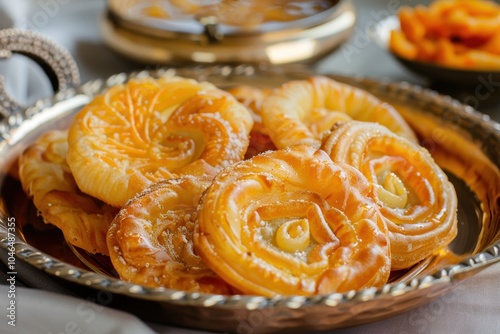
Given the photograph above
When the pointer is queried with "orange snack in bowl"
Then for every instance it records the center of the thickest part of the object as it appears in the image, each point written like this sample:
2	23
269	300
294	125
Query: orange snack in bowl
452	33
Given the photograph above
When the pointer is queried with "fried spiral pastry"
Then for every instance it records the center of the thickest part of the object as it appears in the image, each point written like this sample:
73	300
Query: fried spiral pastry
300	111
293	222
253	98
414	194
150	241
46	177
148	130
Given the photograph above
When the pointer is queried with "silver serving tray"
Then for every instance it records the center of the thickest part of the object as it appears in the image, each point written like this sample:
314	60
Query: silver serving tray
476	247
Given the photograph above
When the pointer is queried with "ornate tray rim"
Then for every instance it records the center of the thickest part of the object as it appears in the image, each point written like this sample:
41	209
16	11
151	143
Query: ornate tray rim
58	268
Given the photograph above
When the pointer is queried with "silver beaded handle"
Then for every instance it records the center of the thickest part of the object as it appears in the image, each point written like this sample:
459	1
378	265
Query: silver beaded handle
56	62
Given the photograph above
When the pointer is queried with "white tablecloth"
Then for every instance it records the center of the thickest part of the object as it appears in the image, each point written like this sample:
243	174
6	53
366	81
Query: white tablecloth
472	307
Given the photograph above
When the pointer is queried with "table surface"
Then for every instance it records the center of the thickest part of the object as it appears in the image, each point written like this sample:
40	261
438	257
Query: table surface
473	307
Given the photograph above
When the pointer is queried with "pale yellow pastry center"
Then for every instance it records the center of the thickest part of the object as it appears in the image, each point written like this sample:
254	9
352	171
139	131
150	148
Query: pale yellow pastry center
294	235
392	191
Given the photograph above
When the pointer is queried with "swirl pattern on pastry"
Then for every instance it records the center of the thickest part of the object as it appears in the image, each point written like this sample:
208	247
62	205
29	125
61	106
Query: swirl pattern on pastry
46	177
150	241
293	222
414	194
148	130
301	111
253	98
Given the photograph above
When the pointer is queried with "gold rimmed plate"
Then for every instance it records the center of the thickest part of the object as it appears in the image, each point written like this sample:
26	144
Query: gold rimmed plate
464	142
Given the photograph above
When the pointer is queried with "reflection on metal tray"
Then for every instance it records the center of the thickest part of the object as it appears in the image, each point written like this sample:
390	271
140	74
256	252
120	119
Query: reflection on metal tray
468	148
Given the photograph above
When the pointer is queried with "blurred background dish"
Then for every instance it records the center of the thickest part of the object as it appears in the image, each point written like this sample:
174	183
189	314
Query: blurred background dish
450	76
171	31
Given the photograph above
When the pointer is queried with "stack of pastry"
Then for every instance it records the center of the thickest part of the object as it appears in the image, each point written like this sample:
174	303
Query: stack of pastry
313	187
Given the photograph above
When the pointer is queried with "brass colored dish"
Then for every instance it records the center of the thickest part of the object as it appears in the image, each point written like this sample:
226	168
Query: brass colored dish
207	38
